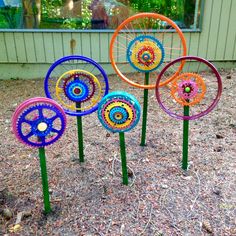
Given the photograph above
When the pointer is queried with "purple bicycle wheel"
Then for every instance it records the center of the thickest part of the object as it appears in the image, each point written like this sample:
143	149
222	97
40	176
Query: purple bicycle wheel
198	85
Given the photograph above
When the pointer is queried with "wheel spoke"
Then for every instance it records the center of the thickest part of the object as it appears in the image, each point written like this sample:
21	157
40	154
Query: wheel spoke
42	139
51	120
29	122
40	111
29	135
55	130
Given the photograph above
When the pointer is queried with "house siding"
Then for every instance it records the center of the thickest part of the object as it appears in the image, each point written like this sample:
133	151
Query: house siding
216	41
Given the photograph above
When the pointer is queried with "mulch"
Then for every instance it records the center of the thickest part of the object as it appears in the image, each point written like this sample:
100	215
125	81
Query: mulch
89	198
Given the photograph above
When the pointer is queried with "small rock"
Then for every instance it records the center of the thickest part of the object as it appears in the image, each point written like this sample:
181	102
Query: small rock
3	195
207	226
104	197
7	214
122	229
7	121
188	177
50	191
216	191
218	136
19	217
218	149
57	155
130	173
164	186
27	214
232	231
15	228
108	135
105	189
232	125
229	76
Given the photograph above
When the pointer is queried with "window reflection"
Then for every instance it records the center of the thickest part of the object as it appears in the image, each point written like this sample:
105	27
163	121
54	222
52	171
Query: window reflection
92	14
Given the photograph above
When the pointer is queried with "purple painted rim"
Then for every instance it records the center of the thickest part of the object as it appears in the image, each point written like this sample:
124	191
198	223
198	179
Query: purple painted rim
213	104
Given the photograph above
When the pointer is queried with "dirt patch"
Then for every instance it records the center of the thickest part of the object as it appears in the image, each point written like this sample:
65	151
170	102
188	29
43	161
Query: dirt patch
89	199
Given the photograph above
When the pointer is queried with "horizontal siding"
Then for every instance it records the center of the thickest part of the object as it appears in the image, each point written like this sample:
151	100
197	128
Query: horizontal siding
216	41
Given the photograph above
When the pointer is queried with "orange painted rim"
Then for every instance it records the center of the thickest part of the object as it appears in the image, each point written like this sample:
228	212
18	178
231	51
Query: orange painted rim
121	26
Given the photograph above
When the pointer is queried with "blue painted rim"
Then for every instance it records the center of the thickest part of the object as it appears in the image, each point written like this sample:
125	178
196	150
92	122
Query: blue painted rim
82	58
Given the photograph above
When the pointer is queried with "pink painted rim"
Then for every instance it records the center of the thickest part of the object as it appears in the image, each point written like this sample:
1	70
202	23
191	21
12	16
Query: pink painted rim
27	103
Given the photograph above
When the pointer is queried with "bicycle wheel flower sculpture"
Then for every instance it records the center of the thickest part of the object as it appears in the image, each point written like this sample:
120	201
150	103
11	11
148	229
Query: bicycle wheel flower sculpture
142	42
78	83
190	95
120	112
39	122
200	90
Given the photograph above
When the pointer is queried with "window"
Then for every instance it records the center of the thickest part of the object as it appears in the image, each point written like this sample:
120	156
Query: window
93	14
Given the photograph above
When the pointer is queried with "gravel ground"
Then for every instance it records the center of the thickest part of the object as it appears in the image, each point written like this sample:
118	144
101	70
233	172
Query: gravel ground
89	199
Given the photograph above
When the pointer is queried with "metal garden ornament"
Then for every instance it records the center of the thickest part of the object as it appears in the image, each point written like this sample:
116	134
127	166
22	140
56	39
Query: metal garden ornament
119	112
189	95
138	44
39	122
77	83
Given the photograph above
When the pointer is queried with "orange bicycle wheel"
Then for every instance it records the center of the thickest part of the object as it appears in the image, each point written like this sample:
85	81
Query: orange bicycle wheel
142	44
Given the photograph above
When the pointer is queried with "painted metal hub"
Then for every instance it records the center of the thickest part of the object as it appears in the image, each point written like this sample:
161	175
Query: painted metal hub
76	91
145	53
119	112
188	89
78	86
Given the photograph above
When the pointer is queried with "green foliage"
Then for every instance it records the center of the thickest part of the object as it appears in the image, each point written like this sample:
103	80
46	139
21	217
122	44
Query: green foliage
9	17
50	8
51	14
180	10
86	14
71	23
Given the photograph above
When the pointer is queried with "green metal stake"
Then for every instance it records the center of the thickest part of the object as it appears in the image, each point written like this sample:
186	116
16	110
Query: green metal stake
185	139
80	135
123	158
44	175
145	107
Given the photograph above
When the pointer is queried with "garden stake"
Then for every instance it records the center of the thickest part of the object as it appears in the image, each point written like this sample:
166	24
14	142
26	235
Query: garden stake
80	139
80	135
145	107
47	207
123	158
185	139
